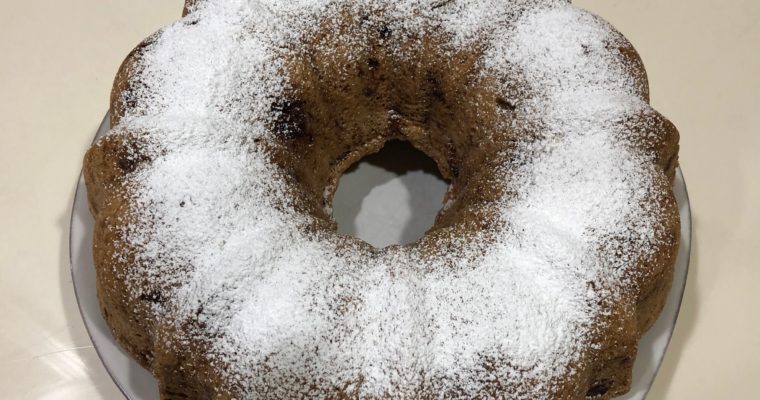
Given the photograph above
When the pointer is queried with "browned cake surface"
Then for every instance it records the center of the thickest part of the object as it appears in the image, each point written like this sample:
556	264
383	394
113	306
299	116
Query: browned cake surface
341	104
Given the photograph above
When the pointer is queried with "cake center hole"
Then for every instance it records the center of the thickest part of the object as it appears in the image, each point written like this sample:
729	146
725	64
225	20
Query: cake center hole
390	197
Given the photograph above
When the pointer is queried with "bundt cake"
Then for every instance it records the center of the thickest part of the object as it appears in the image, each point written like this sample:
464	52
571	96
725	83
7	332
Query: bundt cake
218	263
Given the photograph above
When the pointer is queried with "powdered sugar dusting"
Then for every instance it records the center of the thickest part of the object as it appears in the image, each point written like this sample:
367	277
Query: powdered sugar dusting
287	313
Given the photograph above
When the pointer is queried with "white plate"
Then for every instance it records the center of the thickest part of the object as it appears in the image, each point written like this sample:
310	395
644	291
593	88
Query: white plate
138	384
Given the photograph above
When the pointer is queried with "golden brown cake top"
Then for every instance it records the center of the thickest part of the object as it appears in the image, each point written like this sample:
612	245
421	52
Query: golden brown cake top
285	310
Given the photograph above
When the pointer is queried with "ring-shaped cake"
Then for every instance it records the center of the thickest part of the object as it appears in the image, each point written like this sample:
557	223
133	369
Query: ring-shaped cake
218	263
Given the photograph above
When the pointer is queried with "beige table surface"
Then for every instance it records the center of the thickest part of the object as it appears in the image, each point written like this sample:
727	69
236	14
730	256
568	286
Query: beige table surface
57	59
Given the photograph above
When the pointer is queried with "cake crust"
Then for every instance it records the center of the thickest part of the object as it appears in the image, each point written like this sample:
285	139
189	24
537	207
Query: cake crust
355	82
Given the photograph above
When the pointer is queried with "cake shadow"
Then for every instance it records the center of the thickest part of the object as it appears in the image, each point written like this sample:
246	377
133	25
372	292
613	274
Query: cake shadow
687	320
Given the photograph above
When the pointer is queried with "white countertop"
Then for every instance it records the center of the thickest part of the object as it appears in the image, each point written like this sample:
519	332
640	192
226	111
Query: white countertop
57	61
